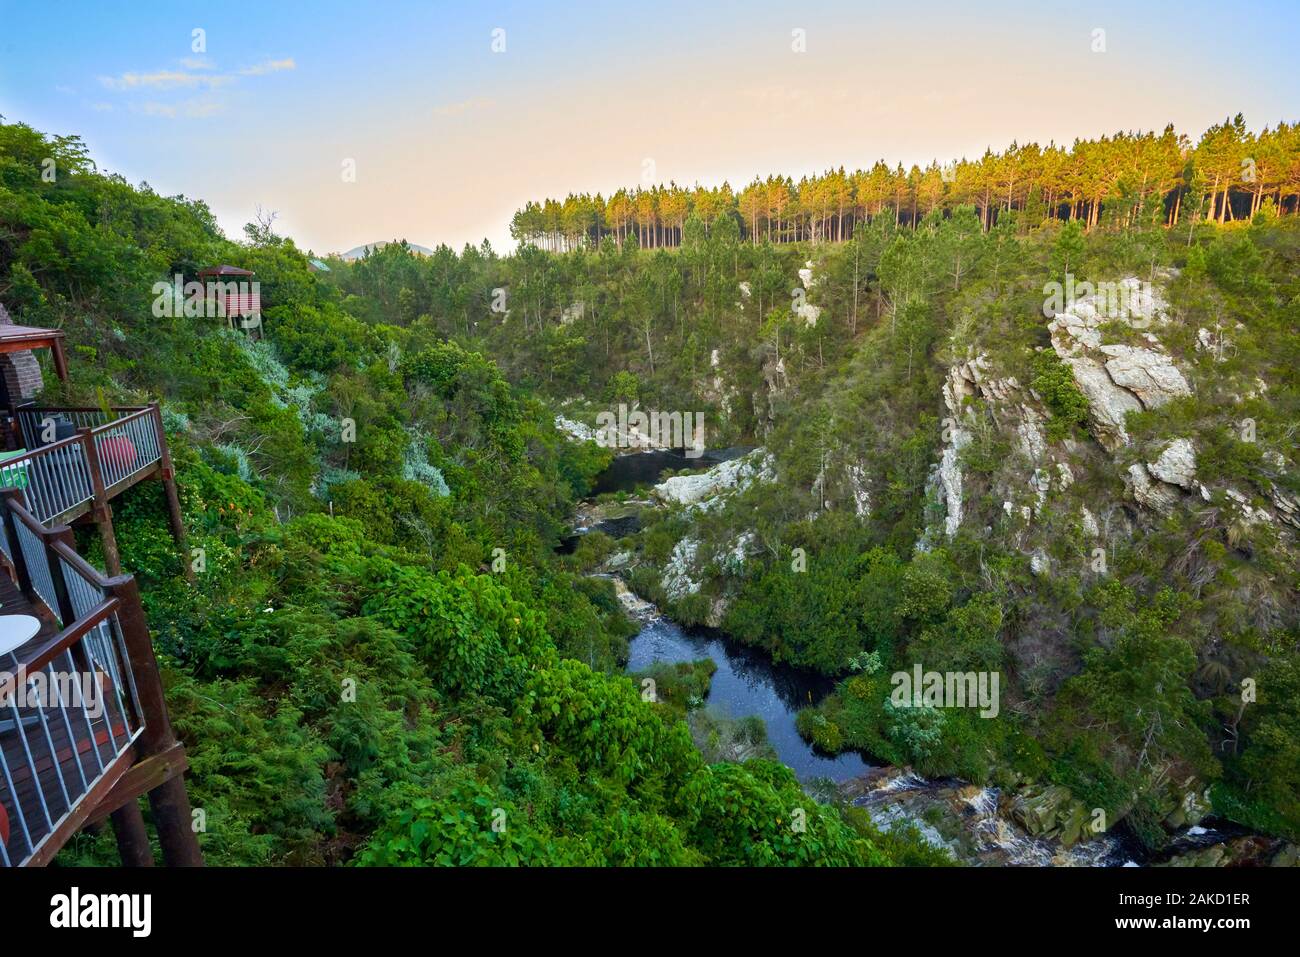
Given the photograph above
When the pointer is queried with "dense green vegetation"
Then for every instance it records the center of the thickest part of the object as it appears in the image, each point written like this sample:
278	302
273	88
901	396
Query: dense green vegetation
1123	684
488	693
380	660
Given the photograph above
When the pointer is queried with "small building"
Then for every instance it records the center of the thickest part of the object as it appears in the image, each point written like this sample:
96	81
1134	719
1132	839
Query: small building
235	292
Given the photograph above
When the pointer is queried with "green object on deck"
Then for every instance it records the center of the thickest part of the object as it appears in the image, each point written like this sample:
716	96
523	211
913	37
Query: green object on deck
13	476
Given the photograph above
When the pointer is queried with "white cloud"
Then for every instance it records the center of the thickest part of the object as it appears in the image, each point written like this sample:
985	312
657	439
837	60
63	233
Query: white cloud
190	76
162	80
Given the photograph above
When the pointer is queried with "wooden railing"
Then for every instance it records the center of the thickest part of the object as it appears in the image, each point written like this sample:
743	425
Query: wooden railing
65	478
65	759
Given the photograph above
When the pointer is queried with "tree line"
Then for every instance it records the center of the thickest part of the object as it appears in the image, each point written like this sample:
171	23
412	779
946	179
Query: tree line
1231	173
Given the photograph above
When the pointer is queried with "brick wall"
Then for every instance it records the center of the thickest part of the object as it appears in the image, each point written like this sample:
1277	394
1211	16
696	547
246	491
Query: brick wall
20	370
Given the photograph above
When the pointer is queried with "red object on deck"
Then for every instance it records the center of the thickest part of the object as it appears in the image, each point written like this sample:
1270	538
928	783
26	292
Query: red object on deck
4	825
117	450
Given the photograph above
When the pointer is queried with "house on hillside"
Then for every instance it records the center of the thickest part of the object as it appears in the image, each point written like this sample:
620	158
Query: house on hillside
234	295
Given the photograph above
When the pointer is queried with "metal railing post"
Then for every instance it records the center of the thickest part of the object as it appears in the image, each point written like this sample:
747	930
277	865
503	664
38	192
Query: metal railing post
62	598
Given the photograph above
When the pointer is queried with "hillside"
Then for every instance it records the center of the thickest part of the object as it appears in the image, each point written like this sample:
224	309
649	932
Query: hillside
377	662
970	462
1055	444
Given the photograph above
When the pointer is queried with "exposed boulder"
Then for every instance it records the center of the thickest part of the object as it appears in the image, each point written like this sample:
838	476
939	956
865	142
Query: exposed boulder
858	487
946	479
1148	374
809	313
1288	510
701	488
1051	811
1089	522
1155	495
1176	464
575	430
1108	403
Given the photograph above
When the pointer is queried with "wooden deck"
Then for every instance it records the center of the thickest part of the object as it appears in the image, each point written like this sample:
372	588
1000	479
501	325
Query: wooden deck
94	736
60	755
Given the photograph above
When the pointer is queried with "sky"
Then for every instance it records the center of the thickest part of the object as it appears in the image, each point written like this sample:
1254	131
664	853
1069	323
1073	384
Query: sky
433	122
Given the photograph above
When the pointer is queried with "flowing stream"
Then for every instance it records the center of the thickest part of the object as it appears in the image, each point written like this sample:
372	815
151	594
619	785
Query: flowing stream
748	683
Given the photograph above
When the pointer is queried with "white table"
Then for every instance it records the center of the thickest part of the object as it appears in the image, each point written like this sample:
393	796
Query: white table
16	631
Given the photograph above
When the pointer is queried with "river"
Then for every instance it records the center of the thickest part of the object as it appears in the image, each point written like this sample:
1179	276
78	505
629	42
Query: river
747	682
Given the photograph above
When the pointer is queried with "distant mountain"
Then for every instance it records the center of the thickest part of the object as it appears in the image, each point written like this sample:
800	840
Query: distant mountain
360	251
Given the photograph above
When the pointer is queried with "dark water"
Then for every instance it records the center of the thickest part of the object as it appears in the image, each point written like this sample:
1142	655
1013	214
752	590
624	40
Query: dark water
747	682
626	472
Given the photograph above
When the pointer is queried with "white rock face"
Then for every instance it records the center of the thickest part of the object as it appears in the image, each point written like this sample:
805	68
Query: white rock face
808	313
1148	374
1108	404
1039	563
1249	513
739	551
1009	404
677	581
1176	464
950	479
1089	522
861	492
1288	510
701	489
1116	378
575	430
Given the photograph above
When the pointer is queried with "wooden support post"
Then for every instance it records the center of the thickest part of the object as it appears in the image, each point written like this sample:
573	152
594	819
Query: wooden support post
99	508
170	803
60	359
132	838
167	473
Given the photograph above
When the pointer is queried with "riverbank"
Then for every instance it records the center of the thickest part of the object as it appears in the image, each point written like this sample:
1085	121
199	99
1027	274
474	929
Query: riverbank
975	824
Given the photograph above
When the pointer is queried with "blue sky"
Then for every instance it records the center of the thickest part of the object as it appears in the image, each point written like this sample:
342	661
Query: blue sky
448	137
